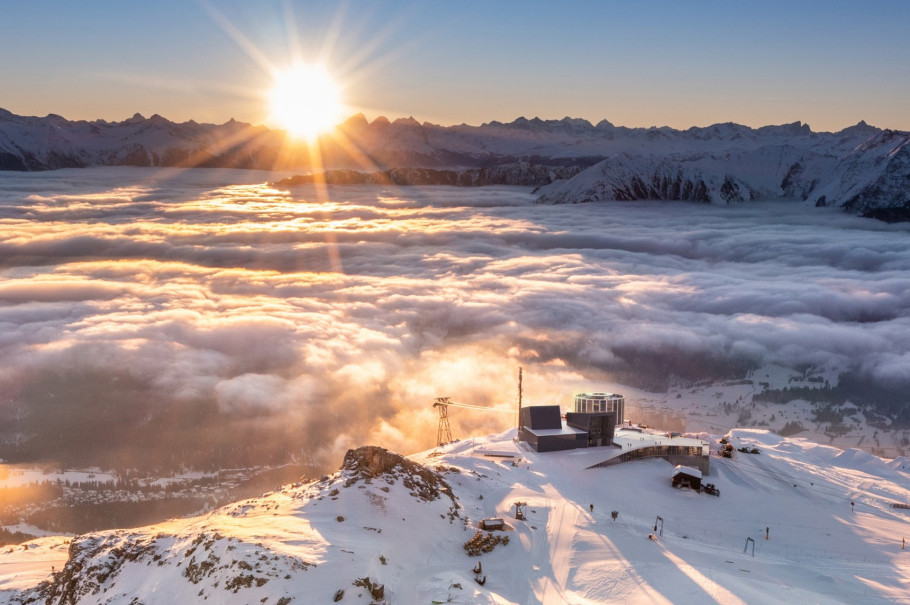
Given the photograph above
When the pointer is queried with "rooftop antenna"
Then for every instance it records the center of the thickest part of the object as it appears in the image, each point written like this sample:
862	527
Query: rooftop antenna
518	426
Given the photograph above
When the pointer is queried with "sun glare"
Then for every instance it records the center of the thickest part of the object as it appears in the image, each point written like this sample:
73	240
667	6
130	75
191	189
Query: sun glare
305	101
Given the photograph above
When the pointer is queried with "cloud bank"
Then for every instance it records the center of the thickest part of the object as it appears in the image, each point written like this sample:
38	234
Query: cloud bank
163	317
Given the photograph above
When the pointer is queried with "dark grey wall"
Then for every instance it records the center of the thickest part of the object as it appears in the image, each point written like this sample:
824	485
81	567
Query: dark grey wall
541	417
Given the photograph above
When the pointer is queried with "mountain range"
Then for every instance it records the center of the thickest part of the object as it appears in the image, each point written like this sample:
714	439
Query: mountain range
863	169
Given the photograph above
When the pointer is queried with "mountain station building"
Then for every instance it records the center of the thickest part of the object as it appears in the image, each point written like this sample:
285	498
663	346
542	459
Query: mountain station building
596	424
592	424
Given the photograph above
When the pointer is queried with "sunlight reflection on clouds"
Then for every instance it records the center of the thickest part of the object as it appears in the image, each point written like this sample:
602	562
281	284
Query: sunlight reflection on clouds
225	295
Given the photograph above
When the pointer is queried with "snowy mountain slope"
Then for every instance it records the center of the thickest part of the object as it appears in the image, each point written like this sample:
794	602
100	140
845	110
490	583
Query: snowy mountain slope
730	176
871	179
874	179
403	525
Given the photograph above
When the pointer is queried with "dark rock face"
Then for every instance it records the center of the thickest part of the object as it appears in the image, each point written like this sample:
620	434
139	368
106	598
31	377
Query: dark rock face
9	161
135	155
792	177
519	174
887	196
677	188
889	215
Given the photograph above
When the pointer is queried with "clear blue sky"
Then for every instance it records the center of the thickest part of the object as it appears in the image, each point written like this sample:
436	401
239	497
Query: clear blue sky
680	63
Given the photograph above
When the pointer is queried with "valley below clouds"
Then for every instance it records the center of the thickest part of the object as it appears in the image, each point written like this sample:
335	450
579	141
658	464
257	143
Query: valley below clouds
202	318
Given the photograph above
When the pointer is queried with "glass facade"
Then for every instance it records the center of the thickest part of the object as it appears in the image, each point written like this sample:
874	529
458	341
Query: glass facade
592	403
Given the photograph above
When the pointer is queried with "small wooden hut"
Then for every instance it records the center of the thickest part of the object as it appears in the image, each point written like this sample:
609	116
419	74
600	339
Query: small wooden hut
686	476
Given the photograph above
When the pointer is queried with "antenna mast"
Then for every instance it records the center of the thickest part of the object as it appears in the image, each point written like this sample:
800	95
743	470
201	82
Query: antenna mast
518	426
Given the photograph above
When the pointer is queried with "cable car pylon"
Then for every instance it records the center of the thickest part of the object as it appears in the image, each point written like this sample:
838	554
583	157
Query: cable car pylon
442	404
444	432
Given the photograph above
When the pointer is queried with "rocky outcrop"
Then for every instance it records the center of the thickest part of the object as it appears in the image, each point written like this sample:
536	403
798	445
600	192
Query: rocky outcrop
372	462
93	561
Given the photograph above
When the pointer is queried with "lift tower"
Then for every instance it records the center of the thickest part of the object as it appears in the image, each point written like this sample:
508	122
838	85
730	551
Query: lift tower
443	433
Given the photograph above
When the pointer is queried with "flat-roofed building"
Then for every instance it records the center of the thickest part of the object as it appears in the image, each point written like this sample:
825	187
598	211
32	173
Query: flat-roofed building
543	429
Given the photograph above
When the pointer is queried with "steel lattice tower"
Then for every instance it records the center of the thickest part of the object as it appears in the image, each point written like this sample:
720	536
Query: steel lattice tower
443	432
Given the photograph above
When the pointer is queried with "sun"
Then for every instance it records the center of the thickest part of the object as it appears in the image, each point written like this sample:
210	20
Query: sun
305	101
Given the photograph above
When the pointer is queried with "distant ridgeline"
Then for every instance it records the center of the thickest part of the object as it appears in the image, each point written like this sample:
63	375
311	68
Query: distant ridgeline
518	173
862	169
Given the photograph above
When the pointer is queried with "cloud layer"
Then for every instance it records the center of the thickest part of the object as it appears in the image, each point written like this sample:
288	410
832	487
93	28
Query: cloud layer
208	318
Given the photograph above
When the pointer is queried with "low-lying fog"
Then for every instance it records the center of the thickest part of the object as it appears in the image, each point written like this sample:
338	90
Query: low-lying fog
202	318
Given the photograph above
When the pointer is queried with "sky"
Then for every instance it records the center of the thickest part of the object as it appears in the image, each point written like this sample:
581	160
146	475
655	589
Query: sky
826	63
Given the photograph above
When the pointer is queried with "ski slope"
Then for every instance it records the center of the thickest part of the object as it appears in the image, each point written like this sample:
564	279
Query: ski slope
405	529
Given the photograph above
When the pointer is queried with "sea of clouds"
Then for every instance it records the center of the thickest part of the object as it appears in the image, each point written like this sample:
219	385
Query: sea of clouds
203	318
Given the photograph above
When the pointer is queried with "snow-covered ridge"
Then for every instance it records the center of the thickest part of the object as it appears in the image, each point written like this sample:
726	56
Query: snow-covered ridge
34	143
863	169
871	179
389	529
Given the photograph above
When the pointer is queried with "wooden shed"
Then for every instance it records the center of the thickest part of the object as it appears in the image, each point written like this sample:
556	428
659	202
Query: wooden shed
686	476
